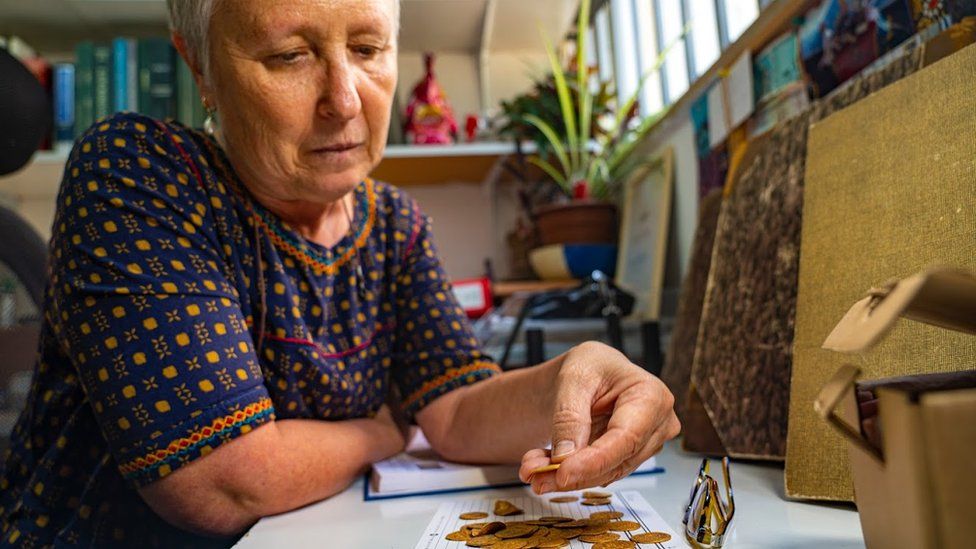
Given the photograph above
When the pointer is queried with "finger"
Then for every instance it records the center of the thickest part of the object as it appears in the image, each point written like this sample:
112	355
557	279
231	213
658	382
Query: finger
571	419
543	483
626	468
635	418
622	470
533	459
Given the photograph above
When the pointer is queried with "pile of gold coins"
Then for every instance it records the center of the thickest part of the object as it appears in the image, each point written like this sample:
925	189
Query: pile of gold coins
602	528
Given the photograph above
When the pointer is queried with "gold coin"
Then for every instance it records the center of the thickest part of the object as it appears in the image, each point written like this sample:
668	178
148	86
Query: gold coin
615	544
597	538
516	531
596	501
651	537
566	533
510	544
595	529
552	543
474	515
555	519
564	499
623	525
505	508
457	536
544	469
599	495
489	528
606	515
573	524
482	541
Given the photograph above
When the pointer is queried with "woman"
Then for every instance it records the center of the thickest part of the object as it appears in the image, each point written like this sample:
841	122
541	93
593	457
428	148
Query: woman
226	317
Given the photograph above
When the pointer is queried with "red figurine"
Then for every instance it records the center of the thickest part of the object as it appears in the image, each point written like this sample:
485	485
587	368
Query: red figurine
429	118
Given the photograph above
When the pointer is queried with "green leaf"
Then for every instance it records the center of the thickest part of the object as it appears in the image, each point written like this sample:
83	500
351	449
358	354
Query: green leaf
582	74
554	141
553	173
565	103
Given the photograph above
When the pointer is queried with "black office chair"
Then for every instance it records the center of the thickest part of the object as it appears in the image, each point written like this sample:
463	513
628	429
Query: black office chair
25	117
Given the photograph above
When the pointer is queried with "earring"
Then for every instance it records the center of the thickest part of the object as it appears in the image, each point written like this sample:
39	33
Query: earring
209	123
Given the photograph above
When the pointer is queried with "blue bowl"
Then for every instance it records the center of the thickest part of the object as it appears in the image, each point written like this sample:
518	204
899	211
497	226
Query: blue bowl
569	261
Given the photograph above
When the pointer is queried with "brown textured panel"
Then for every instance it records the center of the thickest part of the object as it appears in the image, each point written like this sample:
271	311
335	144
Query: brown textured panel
698	433
744	356
742	363
681	350
884	201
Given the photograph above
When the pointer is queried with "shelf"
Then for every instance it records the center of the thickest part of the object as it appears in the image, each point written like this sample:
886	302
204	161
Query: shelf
506	288
402	165
487	148
408	165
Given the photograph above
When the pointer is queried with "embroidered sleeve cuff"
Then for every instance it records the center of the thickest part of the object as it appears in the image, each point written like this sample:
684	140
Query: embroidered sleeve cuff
196	437
451	379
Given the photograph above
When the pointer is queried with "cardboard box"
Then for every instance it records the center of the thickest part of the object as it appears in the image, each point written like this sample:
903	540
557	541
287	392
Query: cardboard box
915	480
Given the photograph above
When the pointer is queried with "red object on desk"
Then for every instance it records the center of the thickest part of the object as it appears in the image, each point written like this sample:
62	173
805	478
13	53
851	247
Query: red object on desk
474	296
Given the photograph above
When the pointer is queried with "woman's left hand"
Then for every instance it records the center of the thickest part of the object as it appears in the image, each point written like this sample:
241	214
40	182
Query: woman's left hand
608	417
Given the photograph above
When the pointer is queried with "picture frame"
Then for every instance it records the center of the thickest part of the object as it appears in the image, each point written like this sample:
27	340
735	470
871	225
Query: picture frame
644	231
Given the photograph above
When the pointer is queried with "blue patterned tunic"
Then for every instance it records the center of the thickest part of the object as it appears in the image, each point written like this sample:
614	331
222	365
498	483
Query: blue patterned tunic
181	314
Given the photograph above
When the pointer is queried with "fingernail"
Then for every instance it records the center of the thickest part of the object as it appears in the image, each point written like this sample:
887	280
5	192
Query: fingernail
563	447
548	486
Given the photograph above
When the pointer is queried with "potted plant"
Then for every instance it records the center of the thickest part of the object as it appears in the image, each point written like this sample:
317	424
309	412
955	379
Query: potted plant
583	139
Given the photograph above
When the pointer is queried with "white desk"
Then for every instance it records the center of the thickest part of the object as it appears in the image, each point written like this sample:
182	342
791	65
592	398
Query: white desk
763	518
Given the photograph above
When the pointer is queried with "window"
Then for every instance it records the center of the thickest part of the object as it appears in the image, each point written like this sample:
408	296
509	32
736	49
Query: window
626	63
630	34
703	26
604	47
739	15
652	95
670	22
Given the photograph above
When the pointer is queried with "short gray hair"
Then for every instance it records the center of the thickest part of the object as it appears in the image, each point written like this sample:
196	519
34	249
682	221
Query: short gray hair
191	19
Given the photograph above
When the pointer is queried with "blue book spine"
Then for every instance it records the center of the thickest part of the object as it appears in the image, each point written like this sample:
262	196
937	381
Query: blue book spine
120	71
64	102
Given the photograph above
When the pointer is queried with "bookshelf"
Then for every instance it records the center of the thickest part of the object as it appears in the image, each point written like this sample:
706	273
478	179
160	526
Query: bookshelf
476	26
487	50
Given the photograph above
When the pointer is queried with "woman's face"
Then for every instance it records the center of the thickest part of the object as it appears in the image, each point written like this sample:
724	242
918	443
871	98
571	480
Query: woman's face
303	90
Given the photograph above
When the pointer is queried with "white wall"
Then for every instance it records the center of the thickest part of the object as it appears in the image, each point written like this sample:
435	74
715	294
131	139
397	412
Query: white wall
678	133
457	73
509	73
466	229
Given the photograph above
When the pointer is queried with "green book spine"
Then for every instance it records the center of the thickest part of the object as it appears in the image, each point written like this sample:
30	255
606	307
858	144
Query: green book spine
84	90
102	81
188	105
157	78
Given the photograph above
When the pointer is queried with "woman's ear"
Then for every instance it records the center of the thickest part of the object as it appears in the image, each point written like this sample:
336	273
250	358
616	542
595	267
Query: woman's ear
180	44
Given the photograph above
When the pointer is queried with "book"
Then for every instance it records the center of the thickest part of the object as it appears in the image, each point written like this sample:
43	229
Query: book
84	89
420	471
125	90
157	75
64	103
102	81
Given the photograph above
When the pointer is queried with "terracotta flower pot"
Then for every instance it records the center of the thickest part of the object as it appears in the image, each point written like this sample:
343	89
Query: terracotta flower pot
577	222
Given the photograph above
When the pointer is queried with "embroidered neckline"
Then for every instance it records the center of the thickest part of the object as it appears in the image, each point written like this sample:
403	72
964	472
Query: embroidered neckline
287	239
